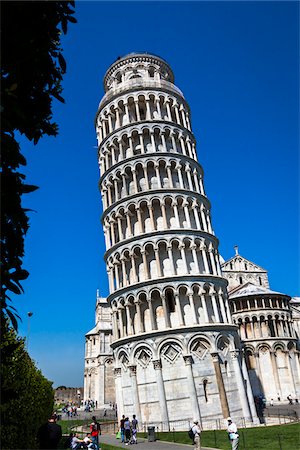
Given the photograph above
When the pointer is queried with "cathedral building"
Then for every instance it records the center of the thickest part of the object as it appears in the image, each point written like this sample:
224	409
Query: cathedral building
174	332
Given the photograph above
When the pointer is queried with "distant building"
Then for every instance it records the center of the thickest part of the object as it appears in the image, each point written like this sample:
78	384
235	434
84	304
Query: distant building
64	395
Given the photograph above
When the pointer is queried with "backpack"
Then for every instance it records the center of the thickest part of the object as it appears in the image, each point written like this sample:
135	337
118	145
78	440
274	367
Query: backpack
191	434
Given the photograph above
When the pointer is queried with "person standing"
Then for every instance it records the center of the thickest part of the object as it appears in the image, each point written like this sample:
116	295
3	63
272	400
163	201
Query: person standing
197	435
95	431
50	434
233	434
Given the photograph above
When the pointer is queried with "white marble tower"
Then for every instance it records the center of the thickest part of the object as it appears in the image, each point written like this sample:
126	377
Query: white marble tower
176	351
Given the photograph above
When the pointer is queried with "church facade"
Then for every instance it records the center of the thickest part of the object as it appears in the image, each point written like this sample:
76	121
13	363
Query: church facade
171	333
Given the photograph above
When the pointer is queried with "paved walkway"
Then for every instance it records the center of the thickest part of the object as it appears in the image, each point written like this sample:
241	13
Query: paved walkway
145	445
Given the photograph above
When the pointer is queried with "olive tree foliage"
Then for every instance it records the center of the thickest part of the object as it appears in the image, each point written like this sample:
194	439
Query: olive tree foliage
26	395
32	68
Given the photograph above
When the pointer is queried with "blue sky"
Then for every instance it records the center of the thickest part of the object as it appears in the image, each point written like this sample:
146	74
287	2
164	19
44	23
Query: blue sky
237	64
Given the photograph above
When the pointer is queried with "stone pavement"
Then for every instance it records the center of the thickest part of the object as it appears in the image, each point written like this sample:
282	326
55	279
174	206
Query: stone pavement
143	444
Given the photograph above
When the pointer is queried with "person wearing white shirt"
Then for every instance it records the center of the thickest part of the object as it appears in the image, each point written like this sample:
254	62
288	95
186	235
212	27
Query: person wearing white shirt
197	432
233	434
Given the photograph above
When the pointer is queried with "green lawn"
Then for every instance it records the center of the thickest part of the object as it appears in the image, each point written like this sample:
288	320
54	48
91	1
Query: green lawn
283	437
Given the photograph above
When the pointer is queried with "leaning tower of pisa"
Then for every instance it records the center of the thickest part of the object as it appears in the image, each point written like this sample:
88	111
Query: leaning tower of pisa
177	354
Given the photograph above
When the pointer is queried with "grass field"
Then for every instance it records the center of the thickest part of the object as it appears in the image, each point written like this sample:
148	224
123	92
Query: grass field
283	437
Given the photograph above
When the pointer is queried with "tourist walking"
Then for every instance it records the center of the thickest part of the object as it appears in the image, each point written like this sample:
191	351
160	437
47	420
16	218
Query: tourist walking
95	431
197	435
233	434
49	434
127	430
134	427
122	429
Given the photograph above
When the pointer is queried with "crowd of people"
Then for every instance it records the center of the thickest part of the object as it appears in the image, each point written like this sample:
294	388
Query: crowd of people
128	430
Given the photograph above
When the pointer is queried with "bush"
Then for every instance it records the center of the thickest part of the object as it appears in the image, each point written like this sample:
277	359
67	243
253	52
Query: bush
26	395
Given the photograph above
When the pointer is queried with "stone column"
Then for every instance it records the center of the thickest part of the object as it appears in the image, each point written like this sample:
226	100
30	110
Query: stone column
291	372
120	311
128	214
240	383
119	391
146	178
193	309
170	255
203	300
163	140
137	111
139	316
177	113
128	319
135	278
175	207
275	372
135	181
158	108
156	167
196	181
181	247
135	391
145	263
140	222
169	173
152	317
164	216
152	141
215	307
148	110
168	111
196	215
150	207
179	311
156	251
204	256
221	387
222	308
191	387
166	312
161	393
194	253
178	168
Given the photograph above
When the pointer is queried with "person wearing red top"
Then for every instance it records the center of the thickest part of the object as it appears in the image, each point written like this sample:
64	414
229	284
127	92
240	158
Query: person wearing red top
95	431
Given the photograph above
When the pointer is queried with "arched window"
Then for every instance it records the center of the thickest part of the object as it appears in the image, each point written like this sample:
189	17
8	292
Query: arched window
241	280
94	341
260	282
246	266
170	301
231	266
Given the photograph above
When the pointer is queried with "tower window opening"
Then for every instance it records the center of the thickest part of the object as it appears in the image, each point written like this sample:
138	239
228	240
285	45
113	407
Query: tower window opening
241	280
170	301
142	114
260	282
94	341
231	266
246	266
205	390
